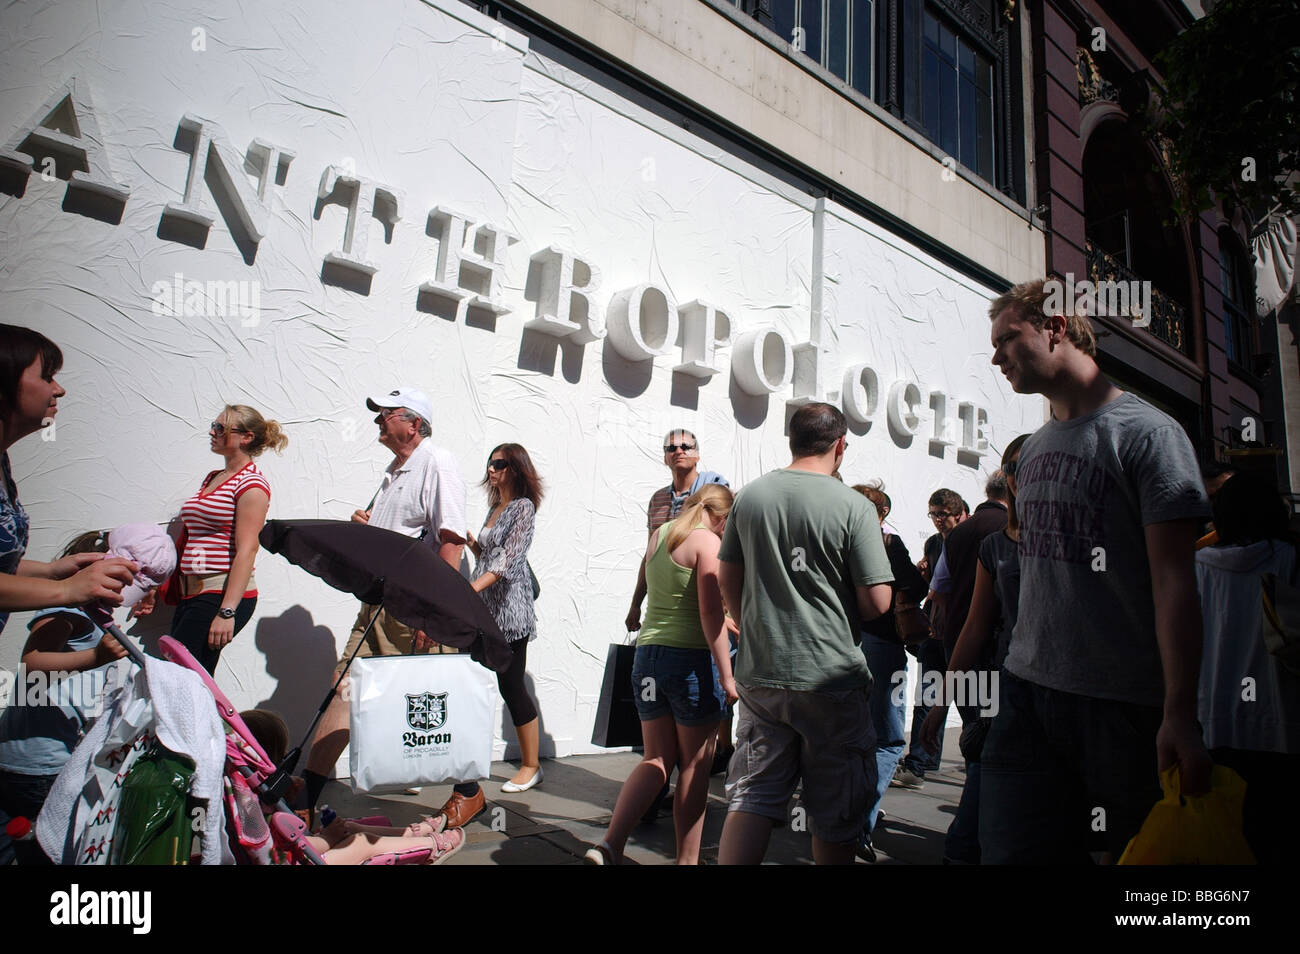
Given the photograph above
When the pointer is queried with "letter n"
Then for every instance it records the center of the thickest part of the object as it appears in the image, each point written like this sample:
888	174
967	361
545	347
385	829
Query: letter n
213	159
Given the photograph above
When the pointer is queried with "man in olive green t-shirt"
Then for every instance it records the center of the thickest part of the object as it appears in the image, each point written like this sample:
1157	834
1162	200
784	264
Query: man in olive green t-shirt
804	559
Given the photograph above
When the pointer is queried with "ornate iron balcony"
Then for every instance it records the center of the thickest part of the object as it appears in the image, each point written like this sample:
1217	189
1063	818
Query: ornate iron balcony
1168	317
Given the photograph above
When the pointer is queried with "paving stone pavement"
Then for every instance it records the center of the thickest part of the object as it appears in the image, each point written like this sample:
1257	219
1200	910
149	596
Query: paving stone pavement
557	821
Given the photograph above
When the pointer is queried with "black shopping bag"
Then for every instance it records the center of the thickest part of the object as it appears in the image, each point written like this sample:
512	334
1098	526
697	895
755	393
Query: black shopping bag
617	724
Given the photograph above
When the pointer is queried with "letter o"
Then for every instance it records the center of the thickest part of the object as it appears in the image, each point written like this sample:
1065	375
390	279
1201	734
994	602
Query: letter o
904	397
860	393
762	362
642	322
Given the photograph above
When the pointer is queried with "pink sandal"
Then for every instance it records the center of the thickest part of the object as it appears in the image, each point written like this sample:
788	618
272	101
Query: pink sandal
446	844
428	826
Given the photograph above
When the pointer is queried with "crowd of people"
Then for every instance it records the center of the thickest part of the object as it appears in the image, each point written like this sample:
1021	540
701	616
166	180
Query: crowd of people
1076	594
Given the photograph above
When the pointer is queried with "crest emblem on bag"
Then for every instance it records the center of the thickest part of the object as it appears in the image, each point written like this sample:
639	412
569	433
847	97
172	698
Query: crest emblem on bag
426	711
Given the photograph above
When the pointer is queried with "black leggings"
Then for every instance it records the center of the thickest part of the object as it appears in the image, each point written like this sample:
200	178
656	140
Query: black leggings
194	618
522	708
511	683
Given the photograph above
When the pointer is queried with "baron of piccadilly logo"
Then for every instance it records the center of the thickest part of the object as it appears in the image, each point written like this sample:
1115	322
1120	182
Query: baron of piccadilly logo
426	712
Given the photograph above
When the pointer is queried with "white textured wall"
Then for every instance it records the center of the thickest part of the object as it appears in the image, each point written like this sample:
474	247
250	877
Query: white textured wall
434	103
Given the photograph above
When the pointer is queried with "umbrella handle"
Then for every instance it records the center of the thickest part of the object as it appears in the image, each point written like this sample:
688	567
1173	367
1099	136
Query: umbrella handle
334	690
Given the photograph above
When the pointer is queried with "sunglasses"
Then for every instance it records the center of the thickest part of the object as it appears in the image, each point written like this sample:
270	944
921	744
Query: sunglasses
1009	468
498	464
216	427
940	514
672	448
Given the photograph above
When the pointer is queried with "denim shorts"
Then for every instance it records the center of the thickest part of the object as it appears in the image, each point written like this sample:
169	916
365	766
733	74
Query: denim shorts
682	683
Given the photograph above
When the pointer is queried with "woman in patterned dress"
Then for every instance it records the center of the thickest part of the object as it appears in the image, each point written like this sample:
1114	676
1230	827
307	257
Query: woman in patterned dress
503	579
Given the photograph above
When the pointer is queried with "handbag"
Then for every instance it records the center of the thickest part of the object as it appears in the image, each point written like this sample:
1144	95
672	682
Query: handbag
1281	620
910	623
419	720
171	592
617	723
532	578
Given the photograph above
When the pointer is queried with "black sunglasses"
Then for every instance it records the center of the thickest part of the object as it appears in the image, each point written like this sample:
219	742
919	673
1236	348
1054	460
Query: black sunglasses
672	448
499	463
220	429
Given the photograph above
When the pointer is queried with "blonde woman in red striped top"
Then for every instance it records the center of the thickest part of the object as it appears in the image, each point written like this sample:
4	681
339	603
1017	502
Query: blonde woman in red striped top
221	524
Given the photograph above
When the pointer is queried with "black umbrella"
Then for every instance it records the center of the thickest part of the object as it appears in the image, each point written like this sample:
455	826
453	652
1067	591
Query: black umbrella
403	574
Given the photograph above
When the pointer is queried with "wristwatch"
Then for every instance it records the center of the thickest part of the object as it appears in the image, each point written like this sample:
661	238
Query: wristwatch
226	613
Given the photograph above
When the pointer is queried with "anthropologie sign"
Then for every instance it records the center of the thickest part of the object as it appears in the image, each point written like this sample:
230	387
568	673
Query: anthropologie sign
640	323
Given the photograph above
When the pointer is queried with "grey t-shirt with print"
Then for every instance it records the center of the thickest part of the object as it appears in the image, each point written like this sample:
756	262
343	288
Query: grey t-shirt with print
806	542
1086	489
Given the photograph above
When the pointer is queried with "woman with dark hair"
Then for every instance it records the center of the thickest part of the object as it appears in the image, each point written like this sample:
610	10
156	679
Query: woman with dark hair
221	523
1249	703
28	402
502	577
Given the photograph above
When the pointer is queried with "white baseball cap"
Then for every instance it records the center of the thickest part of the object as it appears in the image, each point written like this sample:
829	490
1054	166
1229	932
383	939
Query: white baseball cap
412	399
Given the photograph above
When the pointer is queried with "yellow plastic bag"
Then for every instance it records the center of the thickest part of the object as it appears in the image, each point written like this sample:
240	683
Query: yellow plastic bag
1196	829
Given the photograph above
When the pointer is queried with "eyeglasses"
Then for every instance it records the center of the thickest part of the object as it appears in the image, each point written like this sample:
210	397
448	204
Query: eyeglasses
498	463
940	514
216	427
672	448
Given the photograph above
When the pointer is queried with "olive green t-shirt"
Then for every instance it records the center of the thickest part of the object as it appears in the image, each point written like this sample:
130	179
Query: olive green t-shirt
672	615
806	541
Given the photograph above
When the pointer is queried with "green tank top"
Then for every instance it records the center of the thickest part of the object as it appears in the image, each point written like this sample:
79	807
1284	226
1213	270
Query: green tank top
672	616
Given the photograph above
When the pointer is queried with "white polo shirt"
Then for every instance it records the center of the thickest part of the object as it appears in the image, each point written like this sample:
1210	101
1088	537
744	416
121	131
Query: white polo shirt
424	493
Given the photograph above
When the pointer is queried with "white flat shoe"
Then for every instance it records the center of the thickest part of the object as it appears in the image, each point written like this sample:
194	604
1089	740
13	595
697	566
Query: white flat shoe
511	787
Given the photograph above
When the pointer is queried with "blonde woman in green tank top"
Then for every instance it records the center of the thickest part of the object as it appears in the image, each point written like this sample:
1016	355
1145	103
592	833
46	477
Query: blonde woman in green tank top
681	678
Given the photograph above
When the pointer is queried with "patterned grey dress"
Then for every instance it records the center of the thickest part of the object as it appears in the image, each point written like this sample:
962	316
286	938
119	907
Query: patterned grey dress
503	550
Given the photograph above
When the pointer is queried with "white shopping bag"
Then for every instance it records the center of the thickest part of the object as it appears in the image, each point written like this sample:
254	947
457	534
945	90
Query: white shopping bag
419	720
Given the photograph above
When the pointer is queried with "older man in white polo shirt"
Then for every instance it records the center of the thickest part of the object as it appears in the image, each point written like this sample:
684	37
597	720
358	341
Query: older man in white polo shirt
422	495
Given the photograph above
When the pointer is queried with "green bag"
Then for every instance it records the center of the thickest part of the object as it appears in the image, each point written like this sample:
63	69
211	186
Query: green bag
154	826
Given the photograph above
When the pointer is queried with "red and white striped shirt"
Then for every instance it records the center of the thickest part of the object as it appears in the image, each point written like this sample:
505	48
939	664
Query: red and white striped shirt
210	521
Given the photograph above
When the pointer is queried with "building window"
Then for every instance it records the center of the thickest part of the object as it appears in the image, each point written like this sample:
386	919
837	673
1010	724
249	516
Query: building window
957	96
945	67
838	34
1238	295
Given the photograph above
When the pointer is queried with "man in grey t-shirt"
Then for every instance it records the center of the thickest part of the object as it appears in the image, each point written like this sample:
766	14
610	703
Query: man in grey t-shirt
1099	688
804	559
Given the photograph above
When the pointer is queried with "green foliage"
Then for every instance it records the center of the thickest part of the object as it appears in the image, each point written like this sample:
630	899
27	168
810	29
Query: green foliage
1231	107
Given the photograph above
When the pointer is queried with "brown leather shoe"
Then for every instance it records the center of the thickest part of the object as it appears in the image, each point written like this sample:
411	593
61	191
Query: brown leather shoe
461	809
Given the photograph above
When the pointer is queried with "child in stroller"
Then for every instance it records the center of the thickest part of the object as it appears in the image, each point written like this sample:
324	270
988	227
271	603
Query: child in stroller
344	842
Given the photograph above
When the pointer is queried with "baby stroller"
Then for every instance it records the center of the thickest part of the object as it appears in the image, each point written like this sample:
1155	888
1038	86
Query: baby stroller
87	822
262	829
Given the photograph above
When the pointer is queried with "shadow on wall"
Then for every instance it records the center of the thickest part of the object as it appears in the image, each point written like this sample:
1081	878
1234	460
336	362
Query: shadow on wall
149	629
300	657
